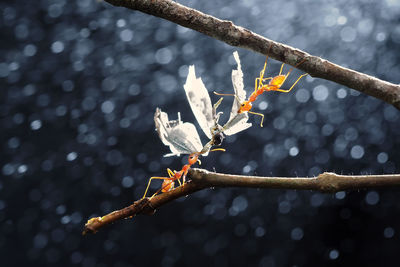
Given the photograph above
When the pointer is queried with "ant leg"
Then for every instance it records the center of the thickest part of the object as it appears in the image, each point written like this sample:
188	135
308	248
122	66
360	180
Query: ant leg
259	83
151	178
259	114
287	91
172	174
280	72
261	78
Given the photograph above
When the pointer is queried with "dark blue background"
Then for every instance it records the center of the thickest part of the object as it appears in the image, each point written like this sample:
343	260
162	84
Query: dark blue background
80	81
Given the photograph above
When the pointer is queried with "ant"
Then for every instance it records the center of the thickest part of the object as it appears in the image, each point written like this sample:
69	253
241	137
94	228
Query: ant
274	84
169	182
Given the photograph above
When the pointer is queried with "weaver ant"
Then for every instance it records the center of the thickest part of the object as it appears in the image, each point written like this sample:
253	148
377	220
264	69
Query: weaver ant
274	84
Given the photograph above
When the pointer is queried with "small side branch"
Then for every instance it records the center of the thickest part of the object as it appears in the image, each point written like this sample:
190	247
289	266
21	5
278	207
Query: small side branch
231	34
200	179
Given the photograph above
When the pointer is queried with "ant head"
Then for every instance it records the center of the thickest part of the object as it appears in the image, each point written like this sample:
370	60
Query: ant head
245	106
193	158
218	138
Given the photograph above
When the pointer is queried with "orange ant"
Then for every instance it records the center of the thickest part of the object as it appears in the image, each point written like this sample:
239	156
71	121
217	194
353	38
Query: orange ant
169	182
274	84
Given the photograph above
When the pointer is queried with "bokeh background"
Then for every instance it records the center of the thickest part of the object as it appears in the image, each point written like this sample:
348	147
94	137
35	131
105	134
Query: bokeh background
80	81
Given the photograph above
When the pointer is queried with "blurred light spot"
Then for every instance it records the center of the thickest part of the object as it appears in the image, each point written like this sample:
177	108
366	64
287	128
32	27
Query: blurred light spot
68	85
330	20
61	209
134	90
114	157
126	35
372	198
259	232
57	47
327	130
154	166
36	125
2	204
239	204
13	66
29	90
279	123
322	156
76	257
365	26
381	36
246	169
316	200
141	158
61	110
124	123
340	195
225	158
341	93
107	107
167	83
263	105
357	152
293	151
388	232
4	70
40	241
320	93
127	181
8	169
284	207
342	20
54	10
333	254
121	23
22	168
183	71
13	142
72	156
311	117
21	31
348	34
43	100
163	55
351	134
302	95
297	233
76	217
390	113
382	157
65	219
30	50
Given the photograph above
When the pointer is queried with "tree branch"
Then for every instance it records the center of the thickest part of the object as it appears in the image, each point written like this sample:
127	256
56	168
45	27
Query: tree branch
326	182
231	34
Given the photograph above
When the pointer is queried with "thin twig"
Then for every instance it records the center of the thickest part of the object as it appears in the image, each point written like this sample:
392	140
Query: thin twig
326	182
231	34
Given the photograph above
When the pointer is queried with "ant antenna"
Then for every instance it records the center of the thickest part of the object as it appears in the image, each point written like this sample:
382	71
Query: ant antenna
238	100
218	149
